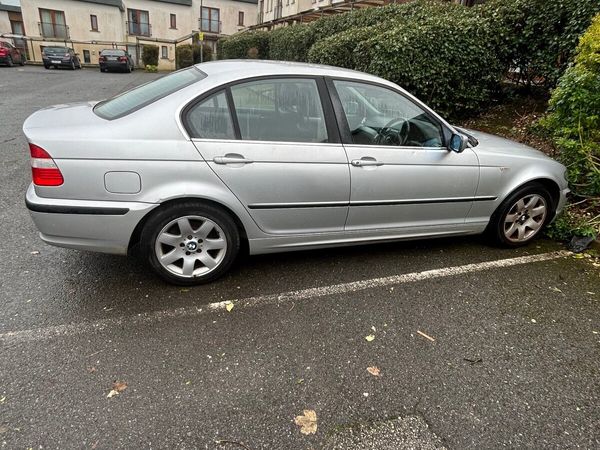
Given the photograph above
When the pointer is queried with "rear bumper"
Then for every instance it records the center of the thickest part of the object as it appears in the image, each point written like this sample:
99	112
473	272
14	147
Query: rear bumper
61	63
114	65
100	226
3	59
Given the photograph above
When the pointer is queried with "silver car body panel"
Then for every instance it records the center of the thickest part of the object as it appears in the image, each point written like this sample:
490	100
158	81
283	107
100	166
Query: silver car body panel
291	196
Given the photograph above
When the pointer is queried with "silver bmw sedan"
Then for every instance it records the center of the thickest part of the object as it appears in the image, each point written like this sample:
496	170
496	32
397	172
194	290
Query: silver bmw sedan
274	156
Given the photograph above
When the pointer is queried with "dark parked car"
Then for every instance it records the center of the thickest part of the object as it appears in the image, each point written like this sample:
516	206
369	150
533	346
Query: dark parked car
61	57
10	55
115	59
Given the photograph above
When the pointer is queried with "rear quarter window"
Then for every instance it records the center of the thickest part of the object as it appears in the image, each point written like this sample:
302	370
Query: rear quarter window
136	98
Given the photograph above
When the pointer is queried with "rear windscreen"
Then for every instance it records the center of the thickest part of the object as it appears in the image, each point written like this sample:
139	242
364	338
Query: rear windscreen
112	53
143	95
56	50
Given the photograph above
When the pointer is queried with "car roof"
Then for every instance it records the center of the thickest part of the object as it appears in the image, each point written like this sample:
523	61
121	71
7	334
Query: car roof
230	70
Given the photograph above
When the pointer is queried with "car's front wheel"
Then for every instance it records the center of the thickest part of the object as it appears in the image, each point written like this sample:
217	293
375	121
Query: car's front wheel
522	216
190	243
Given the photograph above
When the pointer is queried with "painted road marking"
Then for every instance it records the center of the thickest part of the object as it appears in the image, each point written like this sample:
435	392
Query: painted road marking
37	334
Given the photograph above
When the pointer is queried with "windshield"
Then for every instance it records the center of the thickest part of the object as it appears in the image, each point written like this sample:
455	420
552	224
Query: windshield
56	50
143	95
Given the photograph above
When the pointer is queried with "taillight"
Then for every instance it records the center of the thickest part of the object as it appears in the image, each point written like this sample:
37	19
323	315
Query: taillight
3	51
44	170
122	58
101	58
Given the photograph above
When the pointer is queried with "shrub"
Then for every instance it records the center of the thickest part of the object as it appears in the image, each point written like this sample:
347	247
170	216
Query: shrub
241	45
220	44
537	38
574	116
291	43
150	55
184	56
447	60
205	50
151	68
338	50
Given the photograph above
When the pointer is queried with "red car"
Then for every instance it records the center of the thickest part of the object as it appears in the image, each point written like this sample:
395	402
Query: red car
10	55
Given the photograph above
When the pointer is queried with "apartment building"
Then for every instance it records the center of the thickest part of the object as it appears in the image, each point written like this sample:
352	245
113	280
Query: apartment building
88	26
274	13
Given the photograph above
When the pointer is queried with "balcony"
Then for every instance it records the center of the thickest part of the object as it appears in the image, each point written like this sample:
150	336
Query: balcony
209	26
139	29
51	30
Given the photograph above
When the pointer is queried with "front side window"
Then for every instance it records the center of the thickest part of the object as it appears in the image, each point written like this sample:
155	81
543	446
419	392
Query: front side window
280	110
145	94
211	118
381	116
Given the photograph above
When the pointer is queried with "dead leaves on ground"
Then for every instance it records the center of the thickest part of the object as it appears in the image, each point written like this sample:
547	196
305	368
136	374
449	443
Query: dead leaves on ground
374	370
117	388
307	422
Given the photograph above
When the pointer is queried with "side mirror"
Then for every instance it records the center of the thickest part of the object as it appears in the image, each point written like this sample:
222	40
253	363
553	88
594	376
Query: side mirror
458	143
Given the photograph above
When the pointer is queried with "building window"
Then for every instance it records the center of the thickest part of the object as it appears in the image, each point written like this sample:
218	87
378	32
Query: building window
16	27
138	22
164	52
173	21
210	20
53	24
86	57
94	22
241	18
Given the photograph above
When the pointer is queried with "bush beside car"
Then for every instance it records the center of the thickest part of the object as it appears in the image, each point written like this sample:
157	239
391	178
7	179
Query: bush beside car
251	44
150	55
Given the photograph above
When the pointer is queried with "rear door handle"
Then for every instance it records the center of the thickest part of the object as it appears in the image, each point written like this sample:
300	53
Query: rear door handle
365	161
231	158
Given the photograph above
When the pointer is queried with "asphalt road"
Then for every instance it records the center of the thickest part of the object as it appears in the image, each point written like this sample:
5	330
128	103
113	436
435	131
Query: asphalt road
508	356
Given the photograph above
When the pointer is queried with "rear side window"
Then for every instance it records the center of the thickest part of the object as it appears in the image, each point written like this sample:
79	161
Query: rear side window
211	118
287	110
143	95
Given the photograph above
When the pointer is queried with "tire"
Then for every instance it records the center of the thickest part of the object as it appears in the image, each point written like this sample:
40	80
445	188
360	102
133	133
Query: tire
521	216
22	61
72	65
128	69
46	67
10	62
102	70
162	236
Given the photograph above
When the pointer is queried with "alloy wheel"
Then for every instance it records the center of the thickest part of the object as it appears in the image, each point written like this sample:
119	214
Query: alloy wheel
525	218
190	246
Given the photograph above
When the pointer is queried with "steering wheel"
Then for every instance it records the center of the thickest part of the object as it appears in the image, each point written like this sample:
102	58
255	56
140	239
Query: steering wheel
392	135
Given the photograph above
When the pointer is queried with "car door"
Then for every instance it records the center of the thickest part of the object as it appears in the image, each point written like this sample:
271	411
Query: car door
402	174
274	143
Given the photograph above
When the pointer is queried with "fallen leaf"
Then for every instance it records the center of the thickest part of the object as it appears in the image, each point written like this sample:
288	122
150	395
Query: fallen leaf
91	369
112	393
119	386
426	336
307	422
374	371
555	289
374	330
300	381
533	321
35	252
2	399
184	290
228	306
370	337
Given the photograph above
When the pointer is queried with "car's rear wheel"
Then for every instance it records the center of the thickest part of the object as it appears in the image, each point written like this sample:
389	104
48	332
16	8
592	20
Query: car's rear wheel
72	65
190	243
10	62
522	216
22	61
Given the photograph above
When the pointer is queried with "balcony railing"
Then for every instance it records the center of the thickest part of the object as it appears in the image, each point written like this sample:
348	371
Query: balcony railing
209	26
53	30
139	29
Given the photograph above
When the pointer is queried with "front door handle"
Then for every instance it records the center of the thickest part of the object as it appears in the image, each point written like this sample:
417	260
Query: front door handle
365	161
231	158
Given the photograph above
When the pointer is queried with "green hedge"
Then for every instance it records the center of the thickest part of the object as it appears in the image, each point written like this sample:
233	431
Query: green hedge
252	44
338	50
150	55
574	116
538	37
291	43
447	61
187	54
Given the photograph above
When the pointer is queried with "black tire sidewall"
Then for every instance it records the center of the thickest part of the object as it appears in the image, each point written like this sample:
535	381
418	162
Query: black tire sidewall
164	215
497	223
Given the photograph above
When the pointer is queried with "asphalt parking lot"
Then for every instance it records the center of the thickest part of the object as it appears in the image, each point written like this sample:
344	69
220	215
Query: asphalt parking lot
476	347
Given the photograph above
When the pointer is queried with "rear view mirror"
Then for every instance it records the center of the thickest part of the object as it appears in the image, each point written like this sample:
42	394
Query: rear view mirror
458	143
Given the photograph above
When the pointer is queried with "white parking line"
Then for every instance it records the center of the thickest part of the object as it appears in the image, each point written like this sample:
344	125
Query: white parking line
291	296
